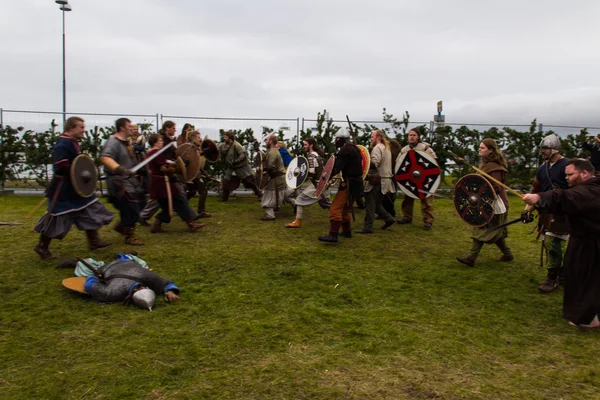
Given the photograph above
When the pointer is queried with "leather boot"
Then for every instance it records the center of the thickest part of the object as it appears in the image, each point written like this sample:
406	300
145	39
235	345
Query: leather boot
202	207
157	226
466	260
119	228
94	241
331	238
42	248
334	228
296	224
224	196
506	253
130	237
194	226
68	264
347	229
552	281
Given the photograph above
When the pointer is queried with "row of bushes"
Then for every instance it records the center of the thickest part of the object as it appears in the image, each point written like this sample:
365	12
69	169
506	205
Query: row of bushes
26	155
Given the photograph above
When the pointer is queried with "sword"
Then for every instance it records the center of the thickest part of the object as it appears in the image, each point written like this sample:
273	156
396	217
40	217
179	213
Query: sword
152	157
486	175
11	223
514	221
434	194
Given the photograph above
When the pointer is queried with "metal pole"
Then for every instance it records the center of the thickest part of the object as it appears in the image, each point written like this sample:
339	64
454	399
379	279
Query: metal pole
64	88
431	131
1	116
156	123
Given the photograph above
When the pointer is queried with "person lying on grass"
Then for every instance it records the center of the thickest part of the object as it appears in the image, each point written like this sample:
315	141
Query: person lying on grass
125	279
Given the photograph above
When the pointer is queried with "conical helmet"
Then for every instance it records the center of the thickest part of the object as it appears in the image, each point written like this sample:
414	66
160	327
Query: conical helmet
551	141
144	298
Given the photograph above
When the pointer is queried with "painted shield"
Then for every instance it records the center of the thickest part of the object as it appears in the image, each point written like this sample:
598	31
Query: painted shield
296	172
190	161
417	172
75	283
366	160
84	175
473	198
325	175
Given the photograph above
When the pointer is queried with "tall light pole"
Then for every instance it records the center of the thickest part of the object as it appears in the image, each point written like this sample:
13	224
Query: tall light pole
64	6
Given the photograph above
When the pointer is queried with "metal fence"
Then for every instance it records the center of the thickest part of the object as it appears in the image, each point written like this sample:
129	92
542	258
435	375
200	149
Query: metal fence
40	121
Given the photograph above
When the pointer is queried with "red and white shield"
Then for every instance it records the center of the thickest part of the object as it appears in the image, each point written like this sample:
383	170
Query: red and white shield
417	174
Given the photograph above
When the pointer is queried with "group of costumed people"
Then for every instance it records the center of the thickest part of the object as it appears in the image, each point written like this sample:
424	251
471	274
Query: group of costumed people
564	193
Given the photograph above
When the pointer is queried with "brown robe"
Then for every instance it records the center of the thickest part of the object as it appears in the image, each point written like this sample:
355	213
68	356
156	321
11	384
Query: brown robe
580	204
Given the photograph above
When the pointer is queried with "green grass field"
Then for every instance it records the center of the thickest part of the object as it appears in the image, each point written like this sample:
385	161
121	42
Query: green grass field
272	313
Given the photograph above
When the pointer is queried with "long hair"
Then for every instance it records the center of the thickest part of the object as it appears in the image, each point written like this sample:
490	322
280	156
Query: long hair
315	146
381	135
495	155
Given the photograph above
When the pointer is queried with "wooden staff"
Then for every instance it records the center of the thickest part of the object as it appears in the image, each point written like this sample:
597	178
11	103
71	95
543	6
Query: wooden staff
169	195
486	175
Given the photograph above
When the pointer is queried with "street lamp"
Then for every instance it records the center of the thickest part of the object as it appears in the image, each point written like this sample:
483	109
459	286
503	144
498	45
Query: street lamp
64	6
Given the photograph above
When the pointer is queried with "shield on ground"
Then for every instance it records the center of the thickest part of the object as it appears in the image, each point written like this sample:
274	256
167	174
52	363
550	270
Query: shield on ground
366	160
84	175
190	161
75	283
296	172
325	176
473	199
417	172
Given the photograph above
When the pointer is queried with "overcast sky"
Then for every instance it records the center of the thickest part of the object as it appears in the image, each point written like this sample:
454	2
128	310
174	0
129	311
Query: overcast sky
503	62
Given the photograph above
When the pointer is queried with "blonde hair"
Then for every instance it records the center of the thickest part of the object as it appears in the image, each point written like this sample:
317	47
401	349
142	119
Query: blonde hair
381	135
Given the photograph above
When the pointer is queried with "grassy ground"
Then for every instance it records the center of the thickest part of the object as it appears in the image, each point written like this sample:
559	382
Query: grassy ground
269	312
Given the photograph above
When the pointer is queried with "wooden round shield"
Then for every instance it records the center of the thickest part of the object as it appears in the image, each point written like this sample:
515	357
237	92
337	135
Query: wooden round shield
210	151
296	173
473	198
190	161
84	176
417	172
75	283
261	176
366	160
325	175
232	184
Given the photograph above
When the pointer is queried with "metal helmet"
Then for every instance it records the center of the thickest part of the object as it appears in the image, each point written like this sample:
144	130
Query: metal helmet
144	298
343	133
551	141
341	137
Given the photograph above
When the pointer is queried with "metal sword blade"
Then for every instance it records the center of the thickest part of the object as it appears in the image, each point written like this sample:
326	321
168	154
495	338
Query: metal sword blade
152	157
434	194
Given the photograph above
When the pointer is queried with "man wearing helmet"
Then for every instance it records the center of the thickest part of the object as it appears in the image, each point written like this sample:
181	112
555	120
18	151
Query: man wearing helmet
551	175
348	161
125	280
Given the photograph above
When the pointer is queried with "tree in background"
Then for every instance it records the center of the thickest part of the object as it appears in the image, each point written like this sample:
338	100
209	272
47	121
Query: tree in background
11	147
572	145
522	152
37	153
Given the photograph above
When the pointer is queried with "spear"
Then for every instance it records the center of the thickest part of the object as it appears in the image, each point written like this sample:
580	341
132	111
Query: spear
486	174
